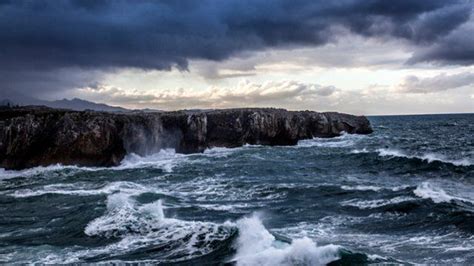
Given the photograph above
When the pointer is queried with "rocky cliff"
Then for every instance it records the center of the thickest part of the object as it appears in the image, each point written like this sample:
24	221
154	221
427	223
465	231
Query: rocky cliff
34	136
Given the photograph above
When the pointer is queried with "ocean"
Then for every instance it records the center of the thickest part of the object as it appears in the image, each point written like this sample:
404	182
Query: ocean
404	194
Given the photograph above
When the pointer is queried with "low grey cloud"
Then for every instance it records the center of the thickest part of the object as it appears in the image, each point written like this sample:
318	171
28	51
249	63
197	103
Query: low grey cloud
441	82
287	94
245	93
348	51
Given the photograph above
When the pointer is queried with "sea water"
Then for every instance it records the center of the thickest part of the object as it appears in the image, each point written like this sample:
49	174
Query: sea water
404	194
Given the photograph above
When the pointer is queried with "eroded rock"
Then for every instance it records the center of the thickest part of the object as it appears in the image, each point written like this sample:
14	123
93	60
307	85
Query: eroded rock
34	136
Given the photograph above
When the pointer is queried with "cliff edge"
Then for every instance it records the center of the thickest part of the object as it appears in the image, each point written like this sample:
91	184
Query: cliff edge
39	136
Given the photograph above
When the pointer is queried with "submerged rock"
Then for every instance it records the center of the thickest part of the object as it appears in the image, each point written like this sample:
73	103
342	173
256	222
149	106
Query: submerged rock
36	136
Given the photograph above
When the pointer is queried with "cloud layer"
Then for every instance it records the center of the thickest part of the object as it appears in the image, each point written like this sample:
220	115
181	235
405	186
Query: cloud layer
245	93
441	82
50	48
162	34
296	95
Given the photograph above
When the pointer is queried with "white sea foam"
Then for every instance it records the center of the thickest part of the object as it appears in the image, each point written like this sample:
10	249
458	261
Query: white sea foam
340	229
220	151
362	188
460	248
224	151
229	207
433	157
165	159
375	257
344	140
431	191
257	246
7	174
324	143
428	157
392	152
356	151
252	145
371	204
373	188
214	188
140	226
82	189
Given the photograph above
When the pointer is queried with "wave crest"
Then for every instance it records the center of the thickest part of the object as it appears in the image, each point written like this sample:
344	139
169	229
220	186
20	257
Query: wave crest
428	190
344	140
427	157
257	246
165	159
146	226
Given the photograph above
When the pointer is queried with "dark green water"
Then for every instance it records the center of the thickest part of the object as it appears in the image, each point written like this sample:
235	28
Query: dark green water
403	194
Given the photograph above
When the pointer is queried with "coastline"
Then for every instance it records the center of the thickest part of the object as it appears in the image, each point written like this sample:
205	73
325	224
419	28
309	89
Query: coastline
39	136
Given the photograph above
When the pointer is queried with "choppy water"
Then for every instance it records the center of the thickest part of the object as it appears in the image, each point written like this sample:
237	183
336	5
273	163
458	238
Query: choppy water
403	194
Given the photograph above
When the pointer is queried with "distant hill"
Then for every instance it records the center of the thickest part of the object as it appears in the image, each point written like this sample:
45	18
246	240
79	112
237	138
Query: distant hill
80	105
73	104
13	99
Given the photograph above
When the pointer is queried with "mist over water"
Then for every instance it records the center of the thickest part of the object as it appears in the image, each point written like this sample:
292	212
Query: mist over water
402	194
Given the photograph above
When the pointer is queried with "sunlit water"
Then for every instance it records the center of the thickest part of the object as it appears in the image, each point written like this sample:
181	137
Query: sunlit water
402	194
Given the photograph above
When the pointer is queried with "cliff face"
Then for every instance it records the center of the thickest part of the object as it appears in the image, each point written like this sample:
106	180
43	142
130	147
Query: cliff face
34	136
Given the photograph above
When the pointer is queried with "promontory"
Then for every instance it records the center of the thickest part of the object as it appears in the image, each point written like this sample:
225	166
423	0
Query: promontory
39	136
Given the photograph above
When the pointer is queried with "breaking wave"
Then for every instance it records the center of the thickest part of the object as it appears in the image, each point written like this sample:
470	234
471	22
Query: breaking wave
257	246
427	157
142	227
165	159
7	174
344	140
404	194
428	190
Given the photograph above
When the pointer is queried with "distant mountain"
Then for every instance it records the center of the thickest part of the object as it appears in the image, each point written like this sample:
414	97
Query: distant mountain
9	98
12	99
80	105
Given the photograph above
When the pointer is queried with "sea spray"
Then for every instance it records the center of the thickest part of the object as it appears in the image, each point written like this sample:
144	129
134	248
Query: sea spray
140	226
257	246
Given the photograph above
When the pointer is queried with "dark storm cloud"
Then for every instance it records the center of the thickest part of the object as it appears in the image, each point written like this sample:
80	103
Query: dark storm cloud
163	34
456	48
106	34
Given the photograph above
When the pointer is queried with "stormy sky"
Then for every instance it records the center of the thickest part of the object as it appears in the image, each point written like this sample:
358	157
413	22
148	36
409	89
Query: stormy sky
360	56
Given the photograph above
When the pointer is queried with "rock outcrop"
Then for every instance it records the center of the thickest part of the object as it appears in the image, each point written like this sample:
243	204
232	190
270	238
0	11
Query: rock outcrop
35	136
